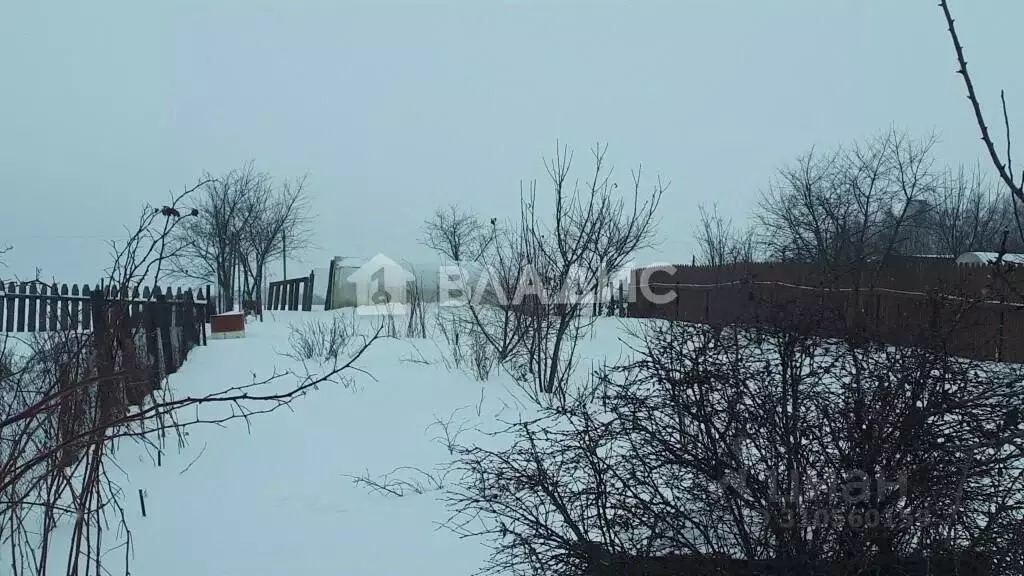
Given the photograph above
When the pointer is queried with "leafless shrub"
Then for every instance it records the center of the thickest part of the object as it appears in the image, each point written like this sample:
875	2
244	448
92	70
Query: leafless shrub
63	411
544	264
756	444
467	346
450	326
416	326
493	311
481	355
388	325
320	339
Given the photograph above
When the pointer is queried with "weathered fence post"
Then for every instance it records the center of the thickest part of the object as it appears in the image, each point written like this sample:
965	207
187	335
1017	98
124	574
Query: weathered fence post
86	307
188	321
162	312
76	307
136	304
152	343
330	286
42	313
65	308
33	319
183	332
307	299
12	304
22	292
55	303
102	355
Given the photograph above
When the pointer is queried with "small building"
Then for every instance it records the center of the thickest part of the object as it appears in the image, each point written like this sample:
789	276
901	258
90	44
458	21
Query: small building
988	258
356	281
340	291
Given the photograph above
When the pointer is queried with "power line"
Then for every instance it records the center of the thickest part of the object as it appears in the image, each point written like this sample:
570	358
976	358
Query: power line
5	236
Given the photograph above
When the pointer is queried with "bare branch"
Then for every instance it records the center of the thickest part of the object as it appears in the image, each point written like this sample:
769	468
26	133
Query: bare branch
1004	169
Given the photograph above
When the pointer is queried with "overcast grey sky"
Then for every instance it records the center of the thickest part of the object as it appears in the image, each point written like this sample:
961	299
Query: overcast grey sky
394	109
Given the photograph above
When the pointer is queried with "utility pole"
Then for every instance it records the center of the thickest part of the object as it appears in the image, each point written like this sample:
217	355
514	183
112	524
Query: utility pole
284	257
229	298
238	285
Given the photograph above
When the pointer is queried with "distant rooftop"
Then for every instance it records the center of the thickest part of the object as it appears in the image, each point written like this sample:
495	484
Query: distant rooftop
980	258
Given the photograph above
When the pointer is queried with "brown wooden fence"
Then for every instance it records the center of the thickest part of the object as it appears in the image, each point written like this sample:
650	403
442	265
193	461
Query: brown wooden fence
972	311
41	307
965	564
111	348
292	294
910	276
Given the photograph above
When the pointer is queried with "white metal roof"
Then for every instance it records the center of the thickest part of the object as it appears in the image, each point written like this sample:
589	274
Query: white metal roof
988	258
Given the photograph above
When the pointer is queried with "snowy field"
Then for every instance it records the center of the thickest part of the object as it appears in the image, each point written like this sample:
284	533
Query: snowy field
278	497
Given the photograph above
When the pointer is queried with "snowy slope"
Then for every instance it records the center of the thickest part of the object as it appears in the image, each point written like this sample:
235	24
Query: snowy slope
279	498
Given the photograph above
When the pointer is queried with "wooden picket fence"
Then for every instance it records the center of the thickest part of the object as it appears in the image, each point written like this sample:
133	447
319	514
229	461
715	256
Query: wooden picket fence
40	307
111	347
292	294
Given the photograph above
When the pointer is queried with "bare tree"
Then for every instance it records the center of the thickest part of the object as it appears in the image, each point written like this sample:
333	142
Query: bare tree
720	243
278	214
207	247
867	204
850	206
457	234
968	215
244	217
804	216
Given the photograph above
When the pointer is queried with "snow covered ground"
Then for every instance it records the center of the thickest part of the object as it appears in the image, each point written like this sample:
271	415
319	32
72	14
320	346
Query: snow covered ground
279	497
